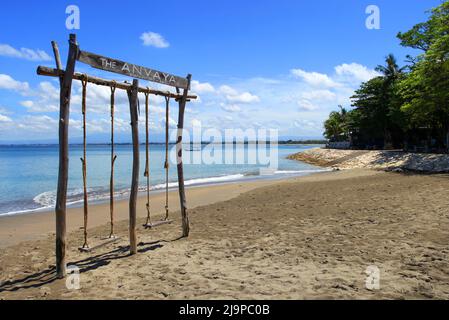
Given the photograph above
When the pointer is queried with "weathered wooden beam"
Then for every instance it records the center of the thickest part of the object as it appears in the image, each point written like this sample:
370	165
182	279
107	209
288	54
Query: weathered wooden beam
56	54
132	70
182	195
51	72
63	174
133	105
57	60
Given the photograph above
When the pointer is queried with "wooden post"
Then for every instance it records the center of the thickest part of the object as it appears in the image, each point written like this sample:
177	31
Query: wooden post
182	195
113	158
56	54
133	101
61	197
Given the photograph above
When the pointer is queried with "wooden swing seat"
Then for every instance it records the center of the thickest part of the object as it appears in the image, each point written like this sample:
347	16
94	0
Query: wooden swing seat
157	223
102	244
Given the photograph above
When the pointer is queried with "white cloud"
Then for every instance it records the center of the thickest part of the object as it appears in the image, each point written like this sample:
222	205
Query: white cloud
355	72
306	105
38	124
230	107
314	78
271	103
27	103
24	53
154	40
204	87
245	97
4	118
227	90
234	96
42	106
321	95
46	98
8	83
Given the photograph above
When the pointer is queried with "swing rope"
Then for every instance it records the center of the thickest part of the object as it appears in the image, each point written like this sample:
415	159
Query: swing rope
147	156
113	158
166	165
83	159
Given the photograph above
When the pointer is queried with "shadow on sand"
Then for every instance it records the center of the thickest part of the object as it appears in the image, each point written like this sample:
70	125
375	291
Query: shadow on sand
48	275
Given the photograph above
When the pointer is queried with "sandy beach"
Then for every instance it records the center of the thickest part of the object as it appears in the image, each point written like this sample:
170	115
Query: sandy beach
304	238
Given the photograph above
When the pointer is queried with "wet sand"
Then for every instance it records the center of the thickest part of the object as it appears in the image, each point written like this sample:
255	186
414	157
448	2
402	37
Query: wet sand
304	238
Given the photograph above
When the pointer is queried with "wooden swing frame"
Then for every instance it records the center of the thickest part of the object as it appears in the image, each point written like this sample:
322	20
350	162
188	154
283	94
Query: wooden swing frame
66	78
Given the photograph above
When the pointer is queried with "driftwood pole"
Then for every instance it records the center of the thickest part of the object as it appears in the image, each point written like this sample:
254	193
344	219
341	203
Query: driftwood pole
133	101
57	56
182	194
113	158
61	198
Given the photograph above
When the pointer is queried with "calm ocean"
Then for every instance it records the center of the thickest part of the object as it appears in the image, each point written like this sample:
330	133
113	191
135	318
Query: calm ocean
28	174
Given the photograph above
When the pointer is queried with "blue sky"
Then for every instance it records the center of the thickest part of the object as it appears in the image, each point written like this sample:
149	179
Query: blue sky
262	64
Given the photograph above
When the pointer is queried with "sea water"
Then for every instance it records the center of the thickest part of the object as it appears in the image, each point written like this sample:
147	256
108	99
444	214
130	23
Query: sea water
28	174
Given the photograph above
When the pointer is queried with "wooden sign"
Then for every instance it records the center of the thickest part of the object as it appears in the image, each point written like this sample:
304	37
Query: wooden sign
132	70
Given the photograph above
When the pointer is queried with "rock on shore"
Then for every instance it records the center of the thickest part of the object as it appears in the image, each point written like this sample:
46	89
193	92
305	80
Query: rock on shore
381	160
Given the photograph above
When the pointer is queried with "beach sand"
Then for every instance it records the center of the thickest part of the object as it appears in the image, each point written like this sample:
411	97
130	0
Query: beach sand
303	238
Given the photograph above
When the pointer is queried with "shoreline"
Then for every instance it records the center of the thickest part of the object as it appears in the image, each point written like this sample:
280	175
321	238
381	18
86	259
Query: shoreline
385	160
121	195
38	224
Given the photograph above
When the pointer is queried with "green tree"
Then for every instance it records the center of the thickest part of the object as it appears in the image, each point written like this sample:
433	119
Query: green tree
380	119
335	126
425	90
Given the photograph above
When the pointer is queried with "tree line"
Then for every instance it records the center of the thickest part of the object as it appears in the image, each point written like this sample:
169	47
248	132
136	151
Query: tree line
406	106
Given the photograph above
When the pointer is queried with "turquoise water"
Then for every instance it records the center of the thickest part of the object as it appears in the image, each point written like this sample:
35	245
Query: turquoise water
28	174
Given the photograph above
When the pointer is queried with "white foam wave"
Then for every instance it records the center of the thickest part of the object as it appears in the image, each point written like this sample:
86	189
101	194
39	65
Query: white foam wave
47	200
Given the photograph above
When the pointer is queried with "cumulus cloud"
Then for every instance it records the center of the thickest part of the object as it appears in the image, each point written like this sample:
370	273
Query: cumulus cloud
355	72
270	103
232	95
24	53
8	83
4	118
46	98
204	87
314	78
227	90
244	97
153	39
38	124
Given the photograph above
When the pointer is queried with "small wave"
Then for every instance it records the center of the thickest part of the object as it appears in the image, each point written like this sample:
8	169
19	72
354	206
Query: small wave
47	200
198	181
18	212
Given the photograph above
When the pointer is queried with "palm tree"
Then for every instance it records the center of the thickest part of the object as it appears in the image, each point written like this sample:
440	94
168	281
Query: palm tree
390	73
391	70
335	126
